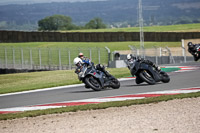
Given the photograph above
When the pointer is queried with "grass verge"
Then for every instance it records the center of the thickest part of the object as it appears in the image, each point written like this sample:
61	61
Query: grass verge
113	46
167	28
18	82
36	80
98	106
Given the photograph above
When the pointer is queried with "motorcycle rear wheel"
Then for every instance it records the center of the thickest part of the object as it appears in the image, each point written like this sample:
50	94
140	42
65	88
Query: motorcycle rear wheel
115	84
138	80
145	76
93	83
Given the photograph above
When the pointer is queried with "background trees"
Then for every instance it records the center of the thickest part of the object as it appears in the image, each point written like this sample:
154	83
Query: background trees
95	23
61	22
56	22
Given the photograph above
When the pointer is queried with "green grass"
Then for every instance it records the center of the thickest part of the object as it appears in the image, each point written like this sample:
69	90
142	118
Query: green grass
97	106
113	46
35	80
38	80
169	28
74	47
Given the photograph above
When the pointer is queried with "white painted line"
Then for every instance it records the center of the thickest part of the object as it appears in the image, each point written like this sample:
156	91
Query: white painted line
40	90
102	99
30	108
78	85
54	88
109	99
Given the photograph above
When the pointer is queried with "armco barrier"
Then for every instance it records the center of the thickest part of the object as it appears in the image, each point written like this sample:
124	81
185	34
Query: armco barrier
36	36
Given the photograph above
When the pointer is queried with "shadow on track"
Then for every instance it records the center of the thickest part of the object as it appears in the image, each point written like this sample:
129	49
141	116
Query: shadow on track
90	91
138	85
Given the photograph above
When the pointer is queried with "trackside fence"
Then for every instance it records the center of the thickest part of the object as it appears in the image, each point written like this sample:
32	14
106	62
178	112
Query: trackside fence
48	58
160	55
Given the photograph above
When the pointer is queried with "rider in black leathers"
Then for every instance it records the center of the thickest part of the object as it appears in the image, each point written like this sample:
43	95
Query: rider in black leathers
130	58
192	48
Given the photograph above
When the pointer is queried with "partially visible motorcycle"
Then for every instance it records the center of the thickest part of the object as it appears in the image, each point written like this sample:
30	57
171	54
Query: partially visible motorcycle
194	49
146	73
96	79
197	53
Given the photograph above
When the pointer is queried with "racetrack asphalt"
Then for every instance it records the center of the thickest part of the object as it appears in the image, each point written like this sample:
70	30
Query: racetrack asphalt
178	80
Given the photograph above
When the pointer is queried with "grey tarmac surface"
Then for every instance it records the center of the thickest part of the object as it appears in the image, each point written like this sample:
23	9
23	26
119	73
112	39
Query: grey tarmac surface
178	81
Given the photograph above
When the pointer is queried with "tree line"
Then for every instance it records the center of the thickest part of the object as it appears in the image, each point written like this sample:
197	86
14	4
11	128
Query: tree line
62	22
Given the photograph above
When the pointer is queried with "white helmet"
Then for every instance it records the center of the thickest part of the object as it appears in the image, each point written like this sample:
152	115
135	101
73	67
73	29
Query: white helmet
77	61
129	56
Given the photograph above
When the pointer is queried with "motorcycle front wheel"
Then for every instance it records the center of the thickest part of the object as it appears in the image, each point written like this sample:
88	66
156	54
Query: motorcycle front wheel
93	83
165	77
145	76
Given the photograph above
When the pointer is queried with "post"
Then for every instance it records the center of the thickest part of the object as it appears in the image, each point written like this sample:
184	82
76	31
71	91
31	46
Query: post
143	51
6	58
31	59
90	54
112	56
22	58
170	56
183	46
13	52
49	58
156	53
160	51
69	54
140	19
108	50
59	56
40	58
99	54
183	50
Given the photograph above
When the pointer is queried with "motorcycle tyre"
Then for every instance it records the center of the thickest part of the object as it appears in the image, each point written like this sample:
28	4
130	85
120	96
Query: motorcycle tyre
146	79
138	80
87	81
115	84
165	77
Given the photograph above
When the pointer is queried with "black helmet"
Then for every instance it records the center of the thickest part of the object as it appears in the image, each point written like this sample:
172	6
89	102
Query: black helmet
190	45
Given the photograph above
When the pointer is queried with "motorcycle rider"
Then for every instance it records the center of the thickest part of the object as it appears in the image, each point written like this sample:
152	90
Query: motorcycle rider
79	63
81	60
131	58
99	67
85	59
193	49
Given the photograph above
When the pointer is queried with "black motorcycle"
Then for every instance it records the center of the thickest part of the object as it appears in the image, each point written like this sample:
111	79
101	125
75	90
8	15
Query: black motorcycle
96	79
146	73
196	55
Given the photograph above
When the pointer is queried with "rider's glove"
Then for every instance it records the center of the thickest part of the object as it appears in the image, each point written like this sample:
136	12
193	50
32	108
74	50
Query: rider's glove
140	59
77	71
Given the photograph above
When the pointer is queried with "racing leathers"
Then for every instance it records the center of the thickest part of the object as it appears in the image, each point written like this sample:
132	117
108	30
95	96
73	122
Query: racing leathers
144	61
195	51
